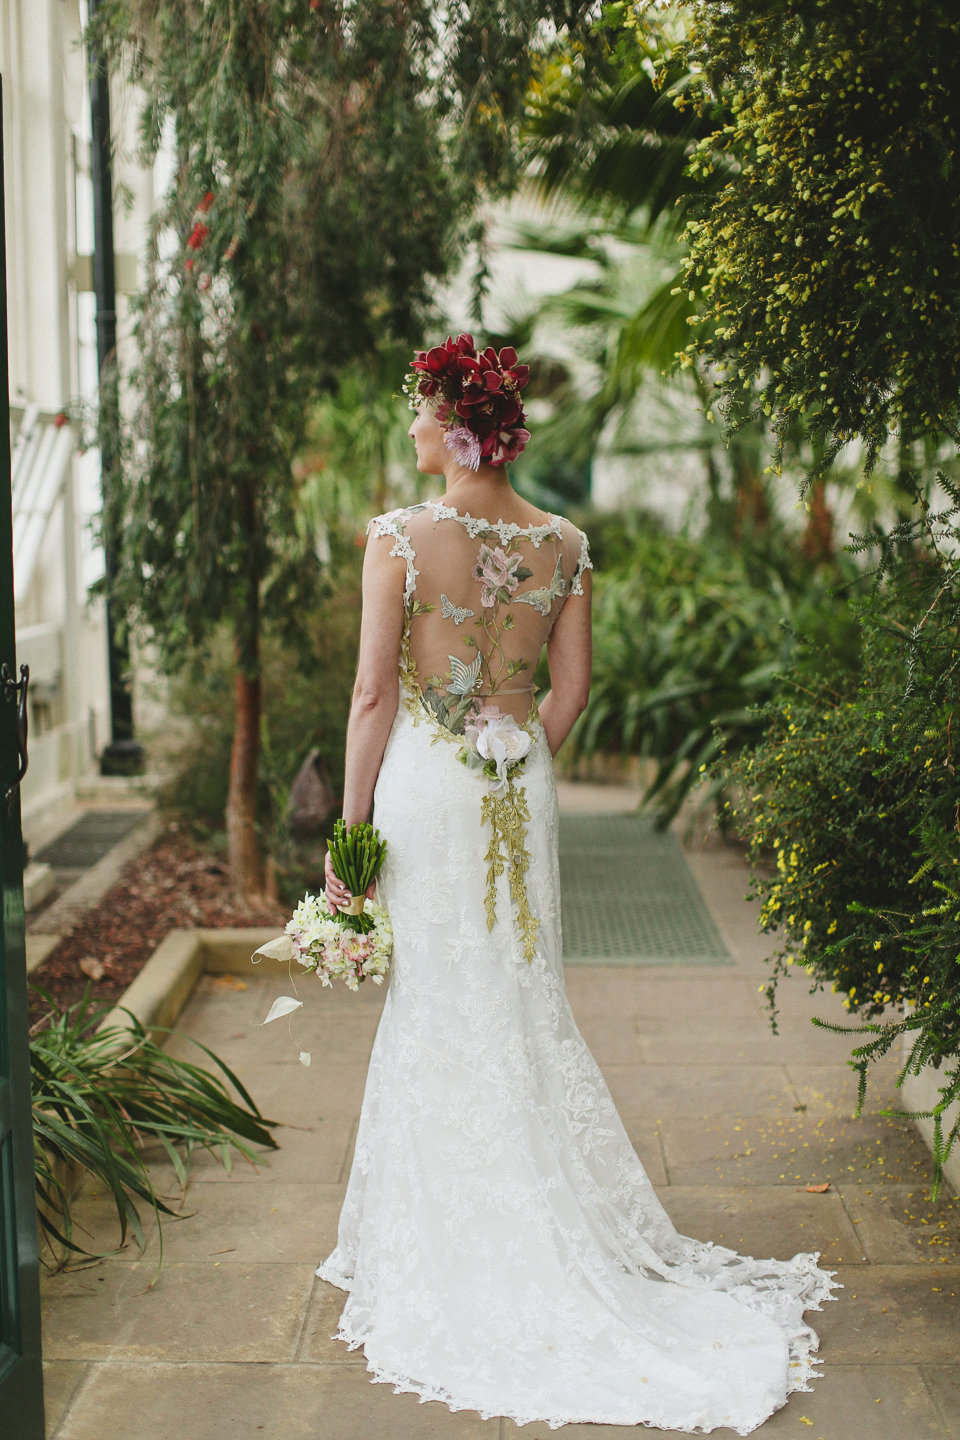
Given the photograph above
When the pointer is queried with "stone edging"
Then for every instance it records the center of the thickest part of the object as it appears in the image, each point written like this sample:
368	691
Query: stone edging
922	1092
164	985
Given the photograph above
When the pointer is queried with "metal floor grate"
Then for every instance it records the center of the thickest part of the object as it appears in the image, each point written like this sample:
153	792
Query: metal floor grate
88	839
628	897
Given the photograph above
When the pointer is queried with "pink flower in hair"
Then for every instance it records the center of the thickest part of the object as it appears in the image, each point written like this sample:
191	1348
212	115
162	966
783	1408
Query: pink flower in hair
464	445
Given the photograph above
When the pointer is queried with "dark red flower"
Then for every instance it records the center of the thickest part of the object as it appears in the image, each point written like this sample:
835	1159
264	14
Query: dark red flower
206	202
481	391
198	235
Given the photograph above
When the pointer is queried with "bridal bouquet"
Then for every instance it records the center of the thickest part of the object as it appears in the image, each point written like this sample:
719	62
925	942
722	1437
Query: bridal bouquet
349	944
321	941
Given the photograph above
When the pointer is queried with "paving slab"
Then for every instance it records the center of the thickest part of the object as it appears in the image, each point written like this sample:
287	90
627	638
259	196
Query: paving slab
317	1344
299	1095
320	1162
61	1379
893	1314
769	1149
828	1088
194	1311
943	1383
611	1042
765	1221
228	1224
889	1402
663	994
700	1090
256	1402
696	1039
900	1225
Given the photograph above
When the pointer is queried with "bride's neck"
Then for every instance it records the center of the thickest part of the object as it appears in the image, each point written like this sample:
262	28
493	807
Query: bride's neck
489	480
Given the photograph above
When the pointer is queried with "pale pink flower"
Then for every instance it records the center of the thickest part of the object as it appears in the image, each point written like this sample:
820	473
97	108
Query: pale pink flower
495	571
464	444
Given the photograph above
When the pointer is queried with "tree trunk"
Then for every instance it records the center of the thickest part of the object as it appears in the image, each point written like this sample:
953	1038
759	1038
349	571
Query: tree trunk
817	542
244	851
246	869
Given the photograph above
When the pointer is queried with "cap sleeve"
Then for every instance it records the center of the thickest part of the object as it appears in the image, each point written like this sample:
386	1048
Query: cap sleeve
583	563
391	524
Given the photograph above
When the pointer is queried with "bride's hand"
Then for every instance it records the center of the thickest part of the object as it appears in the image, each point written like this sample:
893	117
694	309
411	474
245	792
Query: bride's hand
337	893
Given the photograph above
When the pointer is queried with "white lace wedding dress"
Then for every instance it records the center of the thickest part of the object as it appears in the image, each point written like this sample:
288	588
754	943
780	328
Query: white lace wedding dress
503	1248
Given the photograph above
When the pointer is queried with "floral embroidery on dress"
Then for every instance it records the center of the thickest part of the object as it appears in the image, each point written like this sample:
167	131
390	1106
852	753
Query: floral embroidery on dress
499	574
461	702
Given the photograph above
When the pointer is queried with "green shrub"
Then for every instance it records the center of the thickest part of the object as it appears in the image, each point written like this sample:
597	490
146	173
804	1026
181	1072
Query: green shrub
854	790
689	638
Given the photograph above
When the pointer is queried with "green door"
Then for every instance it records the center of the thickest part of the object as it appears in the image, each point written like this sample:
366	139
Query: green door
21	1376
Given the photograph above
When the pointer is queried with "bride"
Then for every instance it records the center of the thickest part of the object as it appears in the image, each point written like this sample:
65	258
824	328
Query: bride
501	1244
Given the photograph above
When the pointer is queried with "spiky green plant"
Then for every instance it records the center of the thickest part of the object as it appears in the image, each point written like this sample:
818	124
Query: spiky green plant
99	1092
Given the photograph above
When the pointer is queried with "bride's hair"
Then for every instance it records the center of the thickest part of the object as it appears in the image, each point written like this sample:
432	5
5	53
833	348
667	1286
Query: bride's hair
475	396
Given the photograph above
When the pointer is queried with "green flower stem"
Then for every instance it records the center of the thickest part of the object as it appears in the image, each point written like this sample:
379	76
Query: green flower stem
357	858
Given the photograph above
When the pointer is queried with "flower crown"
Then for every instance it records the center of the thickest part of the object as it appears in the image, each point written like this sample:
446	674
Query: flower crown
475	397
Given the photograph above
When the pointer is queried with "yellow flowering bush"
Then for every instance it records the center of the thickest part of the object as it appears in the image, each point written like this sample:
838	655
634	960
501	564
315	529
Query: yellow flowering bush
853	793
829	263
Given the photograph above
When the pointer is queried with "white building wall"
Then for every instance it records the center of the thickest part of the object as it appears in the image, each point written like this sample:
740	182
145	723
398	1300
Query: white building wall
61	631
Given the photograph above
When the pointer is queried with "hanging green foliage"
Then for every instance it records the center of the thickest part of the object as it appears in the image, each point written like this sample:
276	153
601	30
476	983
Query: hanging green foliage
829	261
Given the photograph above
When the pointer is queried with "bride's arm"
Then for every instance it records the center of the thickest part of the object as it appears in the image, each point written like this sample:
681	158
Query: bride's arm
376	690
569	655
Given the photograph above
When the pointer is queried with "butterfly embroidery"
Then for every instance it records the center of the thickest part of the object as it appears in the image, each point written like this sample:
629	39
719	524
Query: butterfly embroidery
465	677
454	612
543	598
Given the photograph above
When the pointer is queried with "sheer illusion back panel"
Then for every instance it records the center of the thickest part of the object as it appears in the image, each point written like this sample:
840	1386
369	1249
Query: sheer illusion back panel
485	599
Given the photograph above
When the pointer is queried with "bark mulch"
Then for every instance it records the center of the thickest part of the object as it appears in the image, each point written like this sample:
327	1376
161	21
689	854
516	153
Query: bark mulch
177	884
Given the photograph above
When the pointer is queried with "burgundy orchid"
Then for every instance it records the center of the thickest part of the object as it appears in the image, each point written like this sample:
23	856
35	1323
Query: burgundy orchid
474	396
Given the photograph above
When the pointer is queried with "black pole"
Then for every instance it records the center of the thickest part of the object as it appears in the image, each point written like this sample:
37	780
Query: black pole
124	755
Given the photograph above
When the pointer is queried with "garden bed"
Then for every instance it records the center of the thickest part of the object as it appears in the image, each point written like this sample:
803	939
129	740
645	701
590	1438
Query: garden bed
179	883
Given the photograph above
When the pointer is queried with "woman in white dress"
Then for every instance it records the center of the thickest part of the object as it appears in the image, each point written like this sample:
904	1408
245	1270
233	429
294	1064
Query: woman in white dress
503	1248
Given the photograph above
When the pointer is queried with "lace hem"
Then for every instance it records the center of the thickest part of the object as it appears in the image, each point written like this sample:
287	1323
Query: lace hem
334	1276
755	1293
404	1385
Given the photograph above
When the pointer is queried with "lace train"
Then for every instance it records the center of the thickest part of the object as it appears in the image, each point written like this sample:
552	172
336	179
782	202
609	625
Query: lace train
503	1248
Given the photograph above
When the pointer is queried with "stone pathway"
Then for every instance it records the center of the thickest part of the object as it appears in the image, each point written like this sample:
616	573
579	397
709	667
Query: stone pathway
732	1123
